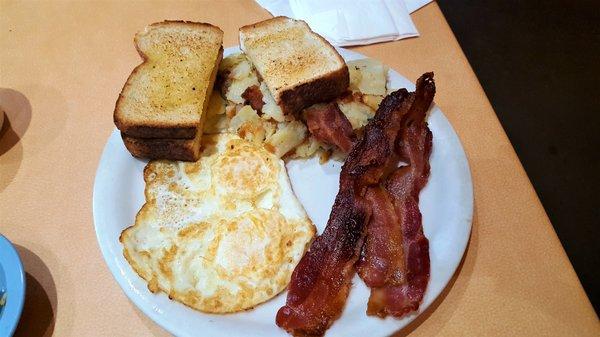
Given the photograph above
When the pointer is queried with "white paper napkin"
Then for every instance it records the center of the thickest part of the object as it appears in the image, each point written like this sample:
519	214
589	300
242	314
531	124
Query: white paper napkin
352	22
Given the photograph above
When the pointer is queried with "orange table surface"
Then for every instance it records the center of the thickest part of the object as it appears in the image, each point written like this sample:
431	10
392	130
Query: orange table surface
62	65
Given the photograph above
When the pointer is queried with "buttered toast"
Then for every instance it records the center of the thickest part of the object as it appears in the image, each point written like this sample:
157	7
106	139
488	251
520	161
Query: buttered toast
164	148
299	67
166	95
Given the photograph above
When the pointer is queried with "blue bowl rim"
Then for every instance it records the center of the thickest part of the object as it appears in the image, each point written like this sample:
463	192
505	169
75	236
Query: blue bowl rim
15	287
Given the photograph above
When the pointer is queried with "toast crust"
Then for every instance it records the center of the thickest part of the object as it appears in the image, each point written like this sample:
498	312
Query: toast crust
170	149
149	129
297	96
265	23
319	90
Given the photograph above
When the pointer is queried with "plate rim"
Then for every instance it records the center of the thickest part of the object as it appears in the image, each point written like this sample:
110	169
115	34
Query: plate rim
154	313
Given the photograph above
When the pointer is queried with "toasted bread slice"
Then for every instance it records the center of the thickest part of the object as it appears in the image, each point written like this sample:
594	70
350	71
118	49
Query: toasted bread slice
166	95
299	67
164	148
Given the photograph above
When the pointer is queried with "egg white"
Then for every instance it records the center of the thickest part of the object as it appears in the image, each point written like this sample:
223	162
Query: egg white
222	234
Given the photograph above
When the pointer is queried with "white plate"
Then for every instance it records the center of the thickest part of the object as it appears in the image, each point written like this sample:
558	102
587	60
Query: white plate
446	203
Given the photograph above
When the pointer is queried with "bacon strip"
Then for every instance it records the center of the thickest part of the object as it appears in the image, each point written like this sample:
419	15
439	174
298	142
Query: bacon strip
395	257
382	250
329	125
320	283
397	269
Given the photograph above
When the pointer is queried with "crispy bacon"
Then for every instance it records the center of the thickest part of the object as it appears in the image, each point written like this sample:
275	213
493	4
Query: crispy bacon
400	299
395	257
254	97
320	283
329	125
382	250
373	191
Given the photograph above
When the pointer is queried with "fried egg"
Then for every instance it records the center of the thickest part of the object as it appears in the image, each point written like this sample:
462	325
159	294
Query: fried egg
222	234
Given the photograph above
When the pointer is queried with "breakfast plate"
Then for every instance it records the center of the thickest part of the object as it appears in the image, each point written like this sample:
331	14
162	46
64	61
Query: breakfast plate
446	204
